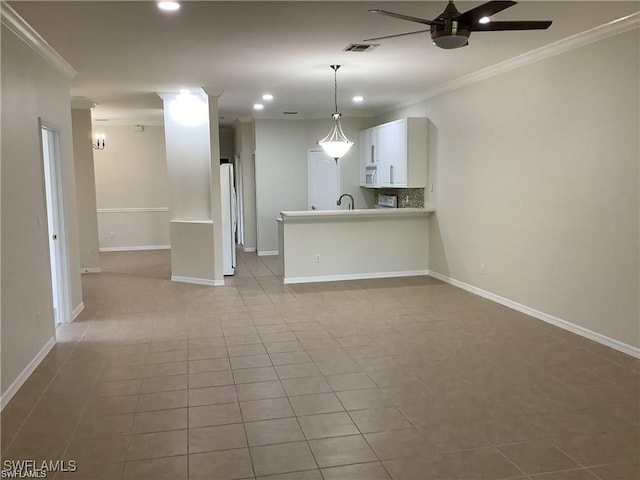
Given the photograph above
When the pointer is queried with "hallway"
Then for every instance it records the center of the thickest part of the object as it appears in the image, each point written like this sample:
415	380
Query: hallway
401	379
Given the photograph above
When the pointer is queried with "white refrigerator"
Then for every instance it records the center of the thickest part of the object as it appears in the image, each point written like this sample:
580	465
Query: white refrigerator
228	194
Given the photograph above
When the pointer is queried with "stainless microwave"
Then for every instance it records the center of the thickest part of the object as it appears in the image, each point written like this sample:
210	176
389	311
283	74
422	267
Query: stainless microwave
372	176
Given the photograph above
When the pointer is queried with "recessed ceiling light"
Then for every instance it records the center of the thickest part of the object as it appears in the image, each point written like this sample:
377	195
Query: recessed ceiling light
484	20
267	96
169	6
358	99
258	106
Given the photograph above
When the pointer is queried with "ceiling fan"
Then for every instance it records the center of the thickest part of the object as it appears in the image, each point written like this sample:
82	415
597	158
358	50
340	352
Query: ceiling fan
451	29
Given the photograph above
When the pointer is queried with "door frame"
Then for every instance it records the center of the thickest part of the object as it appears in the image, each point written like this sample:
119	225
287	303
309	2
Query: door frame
237	164
59	266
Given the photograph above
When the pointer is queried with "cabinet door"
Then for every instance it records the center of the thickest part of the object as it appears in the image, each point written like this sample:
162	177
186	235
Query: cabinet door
369	154
393	153
363	149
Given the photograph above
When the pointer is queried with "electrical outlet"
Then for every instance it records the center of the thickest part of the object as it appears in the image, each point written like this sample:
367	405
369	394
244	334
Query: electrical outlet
483	269
112	235
91	251
431	187
317	258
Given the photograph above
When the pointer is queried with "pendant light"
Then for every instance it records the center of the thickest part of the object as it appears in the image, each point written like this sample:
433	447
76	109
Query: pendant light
336	144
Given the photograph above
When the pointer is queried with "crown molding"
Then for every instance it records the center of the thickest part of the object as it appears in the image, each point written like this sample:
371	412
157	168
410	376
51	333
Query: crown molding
212	91
25	32
593	35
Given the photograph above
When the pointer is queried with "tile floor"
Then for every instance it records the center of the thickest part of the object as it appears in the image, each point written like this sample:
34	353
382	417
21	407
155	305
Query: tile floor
401	378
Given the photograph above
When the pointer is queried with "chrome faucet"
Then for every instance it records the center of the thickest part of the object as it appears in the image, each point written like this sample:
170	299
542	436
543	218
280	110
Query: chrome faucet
339	202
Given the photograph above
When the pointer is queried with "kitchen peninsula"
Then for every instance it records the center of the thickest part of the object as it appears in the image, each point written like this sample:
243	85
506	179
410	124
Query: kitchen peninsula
330	245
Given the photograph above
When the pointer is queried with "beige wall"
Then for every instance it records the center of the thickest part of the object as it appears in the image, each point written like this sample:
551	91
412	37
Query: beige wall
85	189
281	170
537	179
281	176
227	145
321	248
31	88
132	188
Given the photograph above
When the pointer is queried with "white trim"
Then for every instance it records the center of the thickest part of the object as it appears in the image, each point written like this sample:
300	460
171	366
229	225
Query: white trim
249	249
267	253
355	276
578	40
77	311
135	247
91	270
129	122
25	32
132	210
198	281
28	370
545	317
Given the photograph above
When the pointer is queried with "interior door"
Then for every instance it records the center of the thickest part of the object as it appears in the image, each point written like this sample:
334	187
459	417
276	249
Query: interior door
323	181
50	138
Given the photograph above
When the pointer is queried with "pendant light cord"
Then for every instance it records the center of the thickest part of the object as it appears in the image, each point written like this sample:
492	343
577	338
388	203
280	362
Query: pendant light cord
335	86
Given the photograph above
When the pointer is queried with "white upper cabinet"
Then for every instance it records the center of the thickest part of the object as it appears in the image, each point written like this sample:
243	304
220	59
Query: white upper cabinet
393	151
399	149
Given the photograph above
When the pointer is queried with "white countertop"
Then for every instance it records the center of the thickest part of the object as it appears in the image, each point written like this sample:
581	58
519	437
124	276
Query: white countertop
344	214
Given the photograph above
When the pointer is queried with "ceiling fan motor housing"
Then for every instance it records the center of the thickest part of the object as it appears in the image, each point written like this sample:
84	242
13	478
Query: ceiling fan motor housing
451	35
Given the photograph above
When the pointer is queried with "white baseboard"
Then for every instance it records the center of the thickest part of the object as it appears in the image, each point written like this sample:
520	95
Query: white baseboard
28	370
267	253
77	311
134	248
91	270
198	281
355	276
545	317
249	249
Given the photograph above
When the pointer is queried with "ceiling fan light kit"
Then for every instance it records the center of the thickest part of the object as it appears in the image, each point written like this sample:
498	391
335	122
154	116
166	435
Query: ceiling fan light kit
451	29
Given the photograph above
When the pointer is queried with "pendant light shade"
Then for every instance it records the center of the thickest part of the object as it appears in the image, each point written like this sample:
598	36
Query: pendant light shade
336	143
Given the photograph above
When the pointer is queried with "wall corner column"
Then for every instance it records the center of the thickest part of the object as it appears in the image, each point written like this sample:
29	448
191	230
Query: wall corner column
215	198
85	185
190	178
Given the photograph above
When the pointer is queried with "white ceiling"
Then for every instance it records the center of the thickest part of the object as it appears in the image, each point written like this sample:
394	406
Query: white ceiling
125	52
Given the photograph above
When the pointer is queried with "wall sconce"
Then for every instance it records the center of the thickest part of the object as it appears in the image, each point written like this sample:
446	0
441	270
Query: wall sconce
99	145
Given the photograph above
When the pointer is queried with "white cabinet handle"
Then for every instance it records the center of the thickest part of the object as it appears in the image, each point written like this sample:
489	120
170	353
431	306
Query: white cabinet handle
373	149
390	173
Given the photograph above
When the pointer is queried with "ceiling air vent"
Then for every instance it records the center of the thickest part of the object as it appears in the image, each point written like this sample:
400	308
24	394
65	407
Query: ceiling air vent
361	47
289	113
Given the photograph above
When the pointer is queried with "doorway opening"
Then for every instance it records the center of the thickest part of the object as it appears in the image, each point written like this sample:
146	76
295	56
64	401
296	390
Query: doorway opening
51	158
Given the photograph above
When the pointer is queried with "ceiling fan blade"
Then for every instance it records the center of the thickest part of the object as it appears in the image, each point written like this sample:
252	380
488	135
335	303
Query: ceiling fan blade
406	17
396	35
471	17
498	26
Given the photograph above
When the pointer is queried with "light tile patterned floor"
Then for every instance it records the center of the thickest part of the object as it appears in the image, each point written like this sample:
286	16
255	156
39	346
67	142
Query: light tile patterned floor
398	378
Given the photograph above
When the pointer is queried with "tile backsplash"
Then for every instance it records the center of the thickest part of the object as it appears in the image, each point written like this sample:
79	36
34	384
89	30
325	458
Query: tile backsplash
407	197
